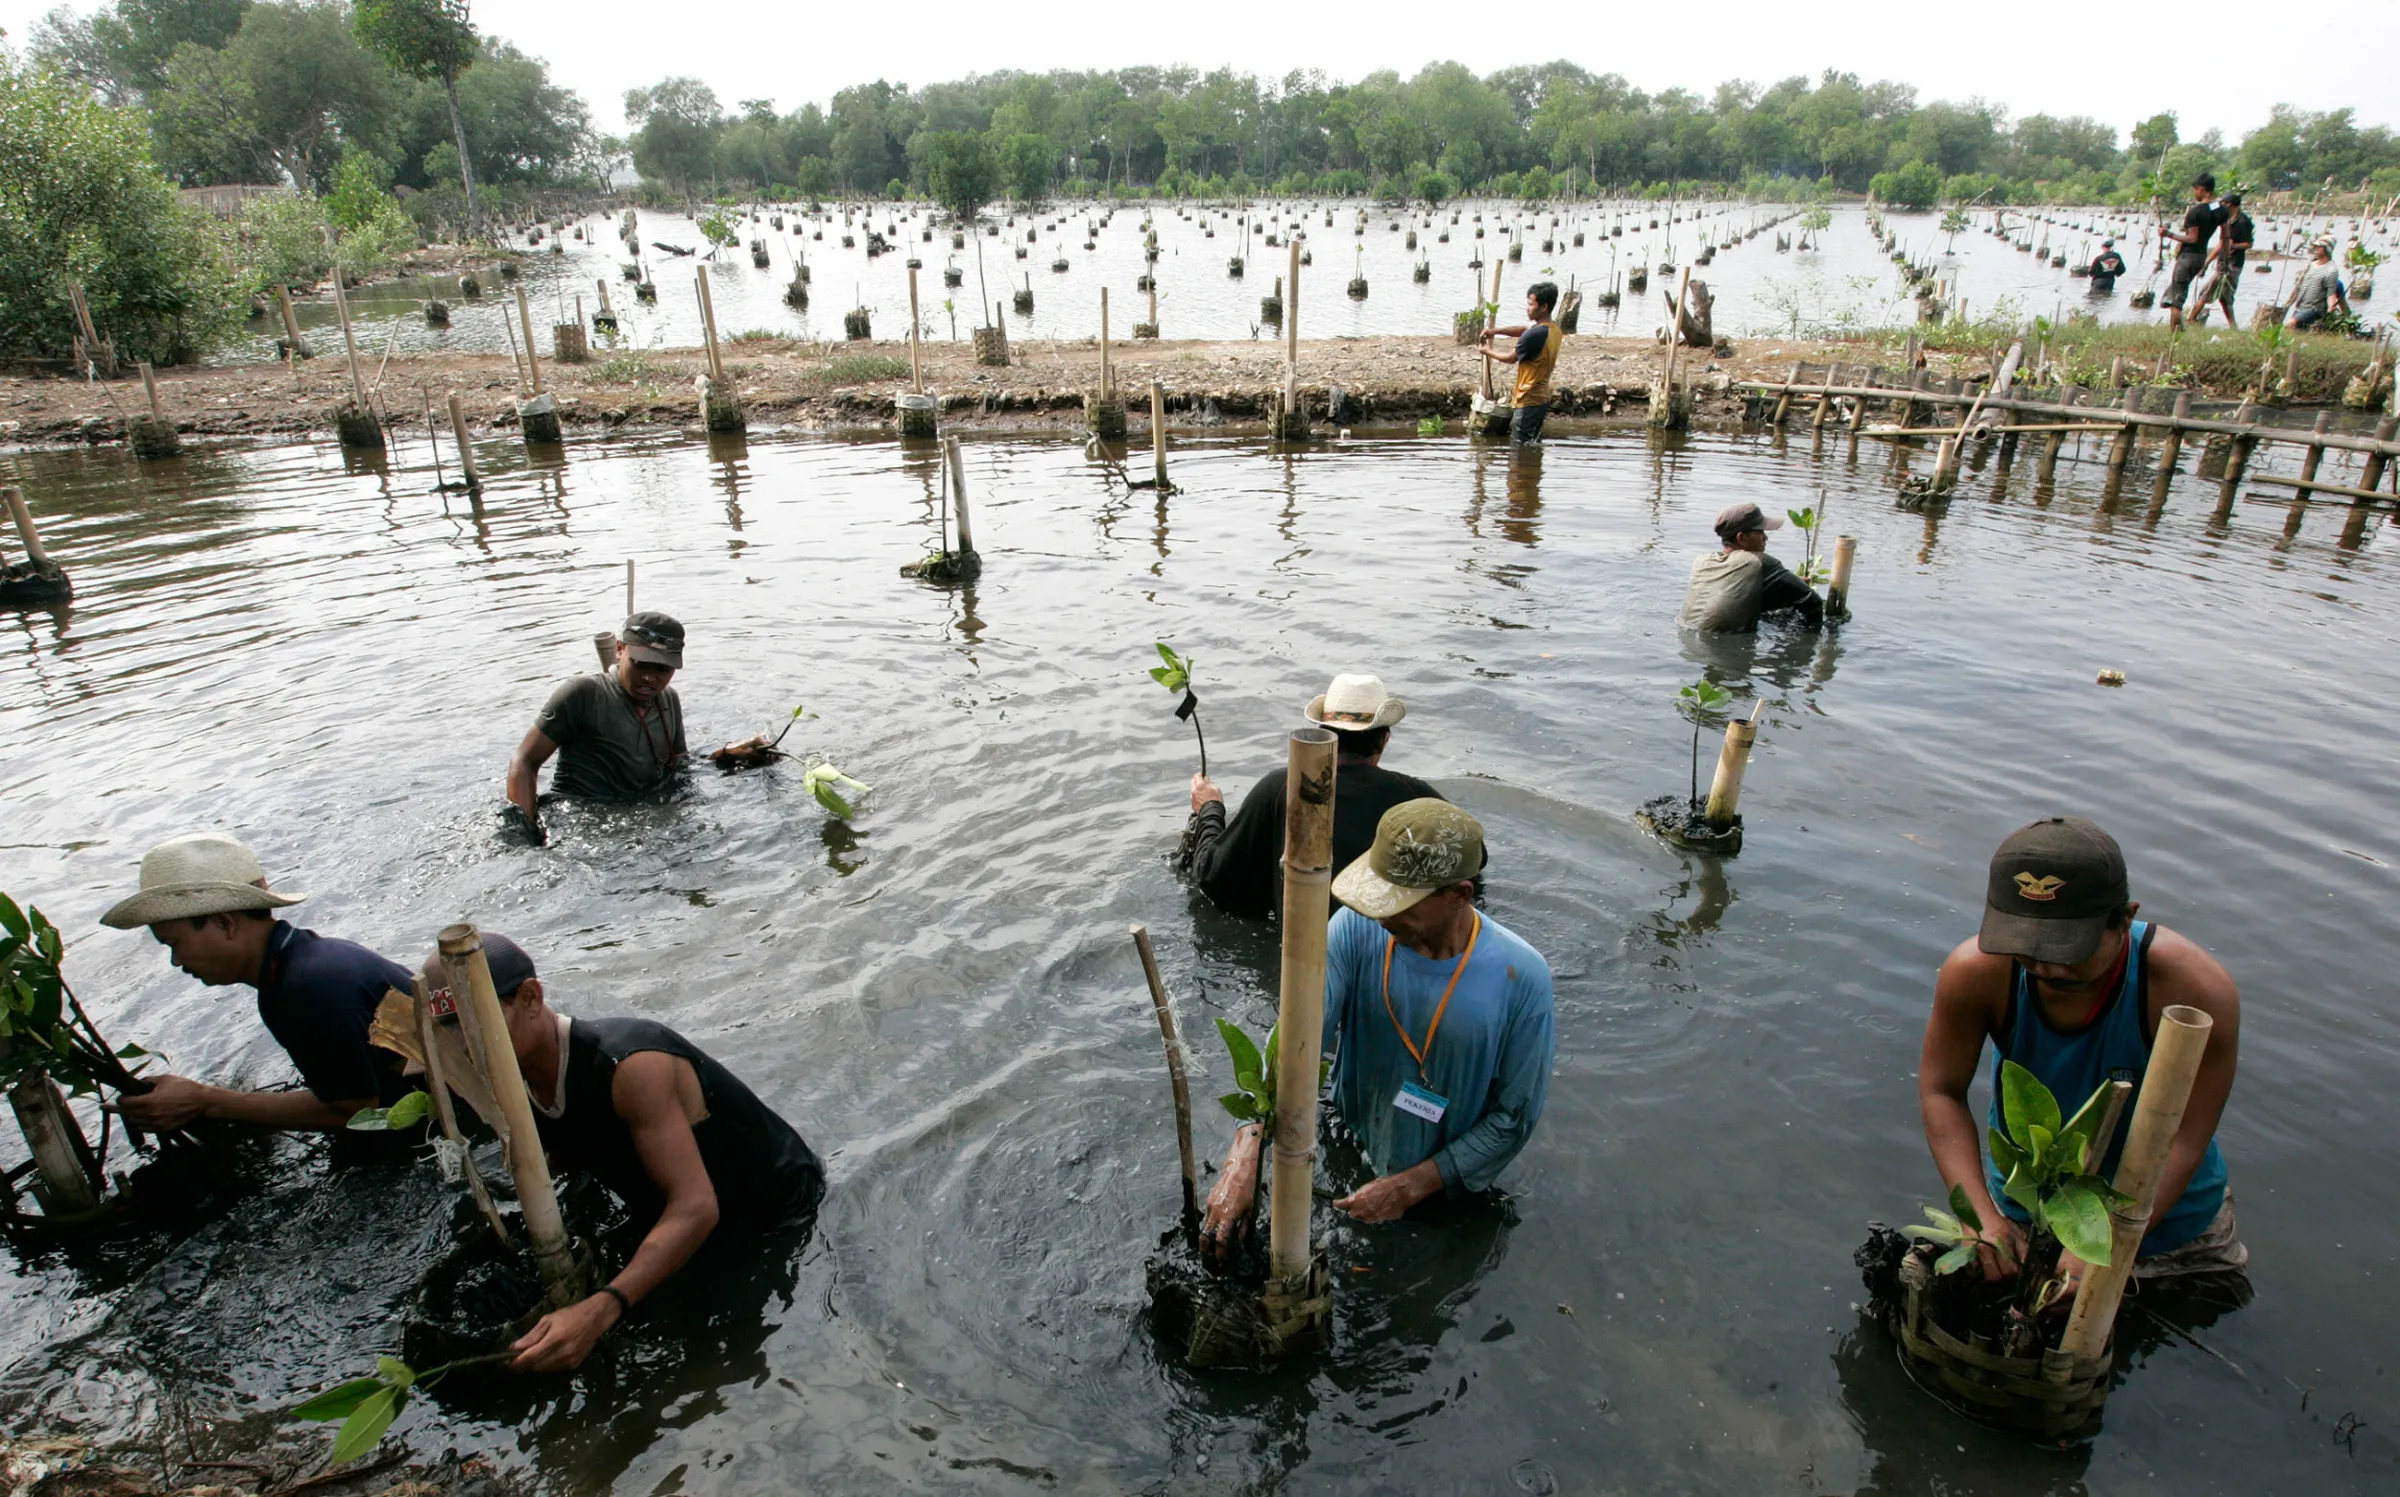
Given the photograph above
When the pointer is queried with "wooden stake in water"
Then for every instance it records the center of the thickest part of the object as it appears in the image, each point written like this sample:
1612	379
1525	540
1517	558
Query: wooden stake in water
466	449
341	308
629	587
533	363
916	361
1733	761
2314	456
1183	1091
1291	338
62	1181
1307	895
1158	432
708	327
958	493
1837	591
14	499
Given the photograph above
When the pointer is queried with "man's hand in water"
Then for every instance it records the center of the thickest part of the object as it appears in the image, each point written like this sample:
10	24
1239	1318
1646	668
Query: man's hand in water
171	1102
1388	1197
1233	1200
749	751
1205	790
561	1339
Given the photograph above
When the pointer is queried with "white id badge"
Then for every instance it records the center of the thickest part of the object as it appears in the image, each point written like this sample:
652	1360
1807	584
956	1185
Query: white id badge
1417	1102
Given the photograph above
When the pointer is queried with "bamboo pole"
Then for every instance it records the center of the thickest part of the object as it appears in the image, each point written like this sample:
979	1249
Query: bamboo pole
629	587
150	392
2175	1056
1291	337
1108	375
533	361
1837	591
2121	449
1183	1091
291	324
1307	895
466	449
916	359
1733	760
1783	401
2315	455
63	1182
439	1085
14	498
1158	432
708	324
341	309
2170	450
1816	422
958	493
2372	477
479	1008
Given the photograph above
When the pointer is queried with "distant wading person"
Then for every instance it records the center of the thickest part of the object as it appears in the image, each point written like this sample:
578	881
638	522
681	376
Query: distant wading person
2318	290
674	1135
618	736
1239	864
2066	982
1535	355
1732	587
205	898
1439	1021
2107	266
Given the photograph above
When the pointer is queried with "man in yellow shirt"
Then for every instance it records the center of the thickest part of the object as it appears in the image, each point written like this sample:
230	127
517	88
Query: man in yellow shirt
1535	355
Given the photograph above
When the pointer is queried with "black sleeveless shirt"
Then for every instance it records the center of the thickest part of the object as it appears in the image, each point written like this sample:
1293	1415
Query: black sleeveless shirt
761	1169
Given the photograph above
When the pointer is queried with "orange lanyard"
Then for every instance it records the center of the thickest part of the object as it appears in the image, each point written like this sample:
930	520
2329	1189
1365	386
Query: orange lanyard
1464	957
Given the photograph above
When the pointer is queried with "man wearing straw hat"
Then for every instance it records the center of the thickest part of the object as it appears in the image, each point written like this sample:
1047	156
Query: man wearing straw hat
1238	863
2066	982
205	898
1439	1021
689	1149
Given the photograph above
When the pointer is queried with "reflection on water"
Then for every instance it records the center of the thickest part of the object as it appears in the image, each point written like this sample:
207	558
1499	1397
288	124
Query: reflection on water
333	662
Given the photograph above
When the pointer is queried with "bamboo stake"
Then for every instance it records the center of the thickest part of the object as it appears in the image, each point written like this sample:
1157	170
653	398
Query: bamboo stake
2175	1056
629	587
1733	760
1837	591
466	449
1816	423
1108	376
1183	1090
2372	476
1307	895
150	391
1783	401
63	1183
14	498
708	323
1158	432
341	309
533	362
478	1004
291	324
916	361
2170	451
1291	337
2316	454
439	1084
958	492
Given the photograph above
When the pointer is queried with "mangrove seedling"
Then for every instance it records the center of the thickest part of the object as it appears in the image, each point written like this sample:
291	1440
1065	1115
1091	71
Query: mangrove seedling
43	1026
2048	1167
368	1405
1429	426
1253	1098
1701	702
826	783
1176	676
1954	223
719	231
1812	568
405	1113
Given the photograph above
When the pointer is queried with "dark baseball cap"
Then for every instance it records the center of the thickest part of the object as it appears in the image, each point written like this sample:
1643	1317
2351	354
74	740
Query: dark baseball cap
2053	886
508	961
1734	519
653	639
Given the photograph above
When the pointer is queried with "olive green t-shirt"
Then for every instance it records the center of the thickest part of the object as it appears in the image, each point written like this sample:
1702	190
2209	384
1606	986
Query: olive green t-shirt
607	748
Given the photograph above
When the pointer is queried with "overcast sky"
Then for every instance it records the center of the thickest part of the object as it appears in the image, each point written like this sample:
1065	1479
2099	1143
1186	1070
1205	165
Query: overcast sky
2211	62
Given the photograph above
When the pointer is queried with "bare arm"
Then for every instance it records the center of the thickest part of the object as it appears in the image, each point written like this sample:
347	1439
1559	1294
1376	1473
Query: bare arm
525	771
174	1101
1967	997
653	1093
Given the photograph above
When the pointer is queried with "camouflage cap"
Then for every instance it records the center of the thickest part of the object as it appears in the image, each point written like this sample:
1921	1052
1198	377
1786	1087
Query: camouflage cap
1420	846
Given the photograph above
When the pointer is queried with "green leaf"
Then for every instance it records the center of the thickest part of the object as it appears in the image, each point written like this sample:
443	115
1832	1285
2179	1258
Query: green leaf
830	799
366	1424
1266	1064
2038	1146
408	1111
1955	1259
12	919
337	1401
2083	1125
130	1052
2021	1189
2006	1156
1923	1233
2080	1219
1242	1105
370	1120
1963	1208
394	1371
2024	1101
1244	1053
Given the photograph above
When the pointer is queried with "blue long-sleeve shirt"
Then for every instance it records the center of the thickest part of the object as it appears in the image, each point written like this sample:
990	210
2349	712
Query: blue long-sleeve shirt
1490	1059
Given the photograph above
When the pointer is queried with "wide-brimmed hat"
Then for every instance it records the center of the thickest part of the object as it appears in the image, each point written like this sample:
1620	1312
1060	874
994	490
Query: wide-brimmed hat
203	873
1355	704
1420	846
2052	888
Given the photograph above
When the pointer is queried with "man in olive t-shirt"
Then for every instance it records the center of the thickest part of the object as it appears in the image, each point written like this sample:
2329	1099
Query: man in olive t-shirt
618	736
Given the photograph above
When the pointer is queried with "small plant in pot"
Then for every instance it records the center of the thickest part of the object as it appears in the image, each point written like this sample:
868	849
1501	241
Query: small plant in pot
1684	820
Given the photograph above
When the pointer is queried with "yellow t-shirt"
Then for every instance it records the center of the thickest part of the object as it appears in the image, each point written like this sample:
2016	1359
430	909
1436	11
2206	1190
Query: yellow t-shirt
1533	374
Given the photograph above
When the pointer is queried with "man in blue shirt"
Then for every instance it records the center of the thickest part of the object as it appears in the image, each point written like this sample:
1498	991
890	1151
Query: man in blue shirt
1439	1020
205	898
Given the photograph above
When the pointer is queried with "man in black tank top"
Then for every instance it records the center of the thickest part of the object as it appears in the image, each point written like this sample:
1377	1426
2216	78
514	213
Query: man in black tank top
658	1121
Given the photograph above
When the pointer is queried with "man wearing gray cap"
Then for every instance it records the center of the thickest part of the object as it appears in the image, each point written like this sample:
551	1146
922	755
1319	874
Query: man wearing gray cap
1732	587
2066	982
205	898
1439	1021
689	1149
619	736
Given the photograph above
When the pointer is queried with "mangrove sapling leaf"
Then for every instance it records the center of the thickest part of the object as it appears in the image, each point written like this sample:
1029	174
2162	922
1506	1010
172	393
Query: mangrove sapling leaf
1964	1209
2078	1216
825	783
340	1400
798	712
1248	1065
1176	676
2024	1103
405	1113
363	1430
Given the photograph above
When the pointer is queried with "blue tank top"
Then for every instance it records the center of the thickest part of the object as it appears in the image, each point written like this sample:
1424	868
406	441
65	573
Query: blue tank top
2073	1066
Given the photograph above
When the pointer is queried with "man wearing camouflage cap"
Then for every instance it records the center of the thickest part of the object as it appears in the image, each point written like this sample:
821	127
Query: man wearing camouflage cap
1439	1020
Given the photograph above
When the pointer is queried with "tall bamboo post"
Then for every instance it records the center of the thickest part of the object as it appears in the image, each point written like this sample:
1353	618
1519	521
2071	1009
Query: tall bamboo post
63	1180
153	435
958	495
438	1084
14	498
458	433
1183	1091
1307	895
916	358
708	327
291	324
533	361
471	989
1291	349
1108	375
341	310
1158	432
1733	760
2166	1089
2170	448
2314	456
2372	476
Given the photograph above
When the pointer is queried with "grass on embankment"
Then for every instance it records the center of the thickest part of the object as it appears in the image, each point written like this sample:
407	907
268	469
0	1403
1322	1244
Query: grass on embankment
2214	360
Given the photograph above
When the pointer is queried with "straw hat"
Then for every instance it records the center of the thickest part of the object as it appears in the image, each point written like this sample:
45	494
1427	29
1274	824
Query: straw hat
1355	704
202	873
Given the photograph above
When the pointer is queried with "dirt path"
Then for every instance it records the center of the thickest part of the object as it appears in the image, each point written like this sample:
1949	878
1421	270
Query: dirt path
791	384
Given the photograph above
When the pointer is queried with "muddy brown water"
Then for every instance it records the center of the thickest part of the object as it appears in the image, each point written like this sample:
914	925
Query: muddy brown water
334	661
